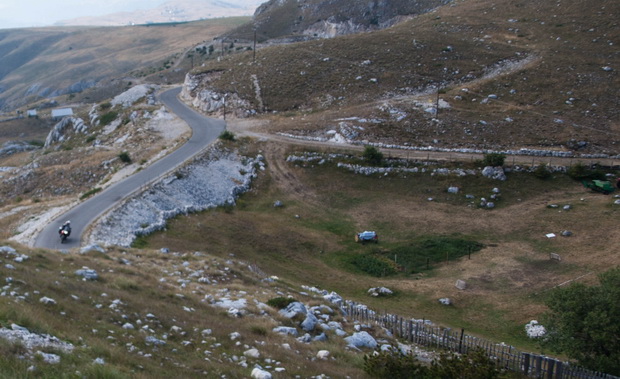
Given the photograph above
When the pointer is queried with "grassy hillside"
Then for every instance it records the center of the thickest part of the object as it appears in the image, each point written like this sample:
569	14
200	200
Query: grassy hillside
152	315
525	74
46	62
311	239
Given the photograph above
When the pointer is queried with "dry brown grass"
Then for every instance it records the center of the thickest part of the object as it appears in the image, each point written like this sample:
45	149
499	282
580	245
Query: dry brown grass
324	206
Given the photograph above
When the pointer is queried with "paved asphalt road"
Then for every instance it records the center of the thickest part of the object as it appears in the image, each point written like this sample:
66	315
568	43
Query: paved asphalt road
204	131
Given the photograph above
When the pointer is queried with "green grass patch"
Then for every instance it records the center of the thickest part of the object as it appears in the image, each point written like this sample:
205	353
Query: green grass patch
421	254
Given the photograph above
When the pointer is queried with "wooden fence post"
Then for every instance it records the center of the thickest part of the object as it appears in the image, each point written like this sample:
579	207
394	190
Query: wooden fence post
550	364
559	370
526	363
461	340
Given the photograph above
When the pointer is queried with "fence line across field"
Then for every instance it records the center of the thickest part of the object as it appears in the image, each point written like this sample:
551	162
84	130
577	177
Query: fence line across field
506	356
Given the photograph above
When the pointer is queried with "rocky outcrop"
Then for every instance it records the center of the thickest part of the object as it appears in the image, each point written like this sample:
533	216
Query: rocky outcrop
215	179
61	130
196	91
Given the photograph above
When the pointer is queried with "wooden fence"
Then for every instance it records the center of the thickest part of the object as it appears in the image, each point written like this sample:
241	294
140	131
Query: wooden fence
425	334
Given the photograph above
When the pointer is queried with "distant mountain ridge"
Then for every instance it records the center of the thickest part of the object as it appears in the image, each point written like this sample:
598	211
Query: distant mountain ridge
171	11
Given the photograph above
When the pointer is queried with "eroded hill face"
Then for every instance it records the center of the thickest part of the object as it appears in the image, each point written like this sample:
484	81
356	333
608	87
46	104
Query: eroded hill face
505	75
303	19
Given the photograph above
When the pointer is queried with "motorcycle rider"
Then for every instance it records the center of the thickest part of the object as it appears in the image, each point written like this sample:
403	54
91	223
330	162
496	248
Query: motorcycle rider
66	226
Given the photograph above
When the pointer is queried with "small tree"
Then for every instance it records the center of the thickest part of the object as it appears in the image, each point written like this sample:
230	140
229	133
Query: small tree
493	159
124	157
227	136
584	323
542	172
372	155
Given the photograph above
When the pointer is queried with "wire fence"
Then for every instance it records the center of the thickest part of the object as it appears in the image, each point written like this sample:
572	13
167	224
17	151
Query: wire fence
506	356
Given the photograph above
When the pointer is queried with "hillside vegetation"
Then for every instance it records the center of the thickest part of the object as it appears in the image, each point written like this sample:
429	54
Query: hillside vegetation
512	75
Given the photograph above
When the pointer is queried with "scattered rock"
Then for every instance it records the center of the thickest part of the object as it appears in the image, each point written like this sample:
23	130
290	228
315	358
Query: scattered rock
380	291
286	330
49	358
534	329
252	353
460	284
293	309
87	273
361	340
47	301
258	373
453	189
566	233
445	301
90	248
322	354
278	204
496	173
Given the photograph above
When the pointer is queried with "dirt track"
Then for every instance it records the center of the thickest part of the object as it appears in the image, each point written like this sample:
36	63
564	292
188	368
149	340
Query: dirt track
257	129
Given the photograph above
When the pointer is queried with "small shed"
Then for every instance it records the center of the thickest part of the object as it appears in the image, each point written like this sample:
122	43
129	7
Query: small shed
61	112
31	113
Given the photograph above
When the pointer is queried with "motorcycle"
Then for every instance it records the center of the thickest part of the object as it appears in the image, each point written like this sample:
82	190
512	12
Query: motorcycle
63	235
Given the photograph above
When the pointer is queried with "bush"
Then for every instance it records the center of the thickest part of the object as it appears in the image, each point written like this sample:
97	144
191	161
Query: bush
542	172
280	302
579	171
374	265
108	118
372	155
387	364
473	365
227	136
493	159
124	157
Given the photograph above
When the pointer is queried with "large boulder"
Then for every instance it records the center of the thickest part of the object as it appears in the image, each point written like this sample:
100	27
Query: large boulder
293	309
362	340
496	173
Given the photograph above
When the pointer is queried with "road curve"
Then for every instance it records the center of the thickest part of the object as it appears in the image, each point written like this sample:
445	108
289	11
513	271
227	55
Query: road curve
204	131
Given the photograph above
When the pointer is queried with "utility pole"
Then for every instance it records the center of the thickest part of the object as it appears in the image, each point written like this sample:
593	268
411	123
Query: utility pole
254	48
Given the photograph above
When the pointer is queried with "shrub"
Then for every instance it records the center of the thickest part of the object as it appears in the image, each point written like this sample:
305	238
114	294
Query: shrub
374	265
124	157
387	364
372	155
473	365
227	136
280	302
108	118
579	171
542	172
493	159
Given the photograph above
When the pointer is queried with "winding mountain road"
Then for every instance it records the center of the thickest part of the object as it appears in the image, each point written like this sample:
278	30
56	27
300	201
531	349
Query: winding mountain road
204	131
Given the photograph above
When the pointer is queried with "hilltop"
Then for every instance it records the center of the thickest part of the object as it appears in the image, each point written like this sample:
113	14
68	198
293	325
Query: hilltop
505	76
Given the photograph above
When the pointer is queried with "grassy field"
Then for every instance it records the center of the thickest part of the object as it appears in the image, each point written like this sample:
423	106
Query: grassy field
310	240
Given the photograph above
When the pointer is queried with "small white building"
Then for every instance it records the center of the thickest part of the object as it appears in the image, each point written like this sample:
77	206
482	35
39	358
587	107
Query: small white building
61	112
31	113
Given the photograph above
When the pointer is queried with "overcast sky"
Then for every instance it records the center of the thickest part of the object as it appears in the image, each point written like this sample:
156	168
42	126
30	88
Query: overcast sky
28	13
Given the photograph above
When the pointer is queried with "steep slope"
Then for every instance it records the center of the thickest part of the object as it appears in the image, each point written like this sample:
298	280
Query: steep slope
327	18
509	75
